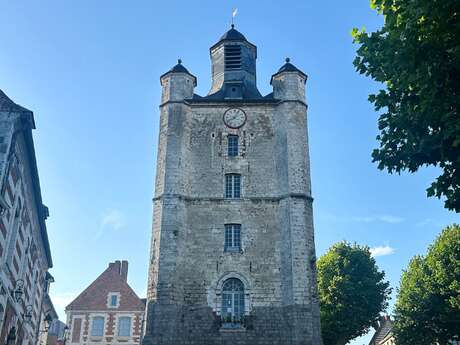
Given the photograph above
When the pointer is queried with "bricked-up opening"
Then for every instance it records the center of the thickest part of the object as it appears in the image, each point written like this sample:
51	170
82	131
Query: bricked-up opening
76	330
232	55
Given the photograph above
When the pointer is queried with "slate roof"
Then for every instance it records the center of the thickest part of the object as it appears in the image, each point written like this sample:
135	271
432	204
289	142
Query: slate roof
179	68
94	297
385	327
288	67
27	121
7	105
233	35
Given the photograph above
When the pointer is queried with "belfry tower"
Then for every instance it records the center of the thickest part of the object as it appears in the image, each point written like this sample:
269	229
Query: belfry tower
232	254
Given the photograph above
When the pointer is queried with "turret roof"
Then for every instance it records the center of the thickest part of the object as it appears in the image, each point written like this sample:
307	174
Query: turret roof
288	67
233	35
179	68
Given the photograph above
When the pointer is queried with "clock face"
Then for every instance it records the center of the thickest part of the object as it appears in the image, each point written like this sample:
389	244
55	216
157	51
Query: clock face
234	118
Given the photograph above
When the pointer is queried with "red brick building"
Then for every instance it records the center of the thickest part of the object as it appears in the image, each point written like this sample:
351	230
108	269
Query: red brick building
106	312
25	255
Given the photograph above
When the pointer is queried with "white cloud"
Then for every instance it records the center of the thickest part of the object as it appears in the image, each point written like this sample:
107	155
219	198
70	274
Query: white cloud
382	250
390	219
62	300
383	218
363	219
113	218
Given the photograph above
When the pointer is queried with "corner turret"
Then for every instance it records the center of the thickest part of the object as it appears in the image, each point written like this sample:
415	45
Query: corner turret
178	84
289	83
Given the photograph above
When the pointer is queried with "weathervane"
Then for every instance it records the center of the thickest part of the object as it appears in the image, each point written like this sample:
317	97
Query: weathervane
234	13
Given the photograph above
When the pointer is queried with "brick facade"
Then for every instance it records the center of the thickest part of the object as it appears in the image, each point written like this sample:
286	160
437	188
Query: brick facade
95	302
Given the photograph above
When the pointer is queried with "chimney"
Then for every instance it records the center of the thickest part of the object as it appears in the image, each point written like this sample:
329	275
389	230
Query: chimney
124	270
115	266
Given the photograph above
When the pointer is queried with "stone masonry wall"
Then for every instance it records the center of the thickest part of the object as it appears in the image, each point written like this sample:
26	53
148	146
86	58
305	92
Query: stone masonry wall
277	260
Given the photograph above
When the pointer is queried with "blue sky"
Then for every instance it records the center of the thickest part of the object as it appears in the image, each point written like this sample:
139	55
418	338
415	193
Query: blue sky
90	72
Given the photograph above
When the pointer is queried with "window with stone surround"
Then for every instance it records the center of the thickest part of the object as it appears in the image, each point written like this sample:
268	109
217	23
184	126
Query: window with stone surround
233	186
113	300
97	326
232	302
124	326
232	145
232	237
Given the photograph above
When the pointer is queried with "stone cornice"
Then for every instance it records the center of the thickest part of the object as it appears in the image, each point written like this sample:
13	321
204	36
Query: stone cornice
233	102
275	198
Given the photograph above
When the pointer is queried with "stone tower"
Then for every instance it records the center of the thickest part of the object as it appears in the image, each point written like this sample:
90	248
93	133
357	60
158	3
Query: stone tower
232	253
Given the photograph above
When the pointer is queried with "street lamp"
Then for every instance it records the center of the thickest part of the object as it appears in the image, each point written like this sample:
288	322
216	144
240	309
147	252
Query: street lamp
28	313
19	290
11	339
47	320
66	331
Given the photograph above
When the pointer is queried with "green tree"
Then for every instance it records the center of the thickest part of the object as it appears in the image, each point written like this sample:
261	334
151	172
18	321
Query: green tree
352	292
416	54
427	309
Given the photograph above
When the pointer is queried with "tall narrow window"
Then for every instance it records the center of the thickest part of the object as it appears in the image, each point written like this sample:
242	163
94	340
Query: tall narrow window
124	326
232	301
113	300
233	186
97	327
232	145
232	237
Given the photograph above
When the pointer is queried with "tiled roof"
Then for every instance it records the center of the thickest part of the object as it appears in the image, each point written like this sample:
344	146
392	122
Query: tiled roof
113	279
385	327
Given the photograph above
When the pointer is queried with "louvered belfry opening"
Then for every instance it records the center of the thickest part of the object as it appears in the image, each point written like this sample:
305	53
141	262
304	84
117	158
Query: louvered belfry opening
232	55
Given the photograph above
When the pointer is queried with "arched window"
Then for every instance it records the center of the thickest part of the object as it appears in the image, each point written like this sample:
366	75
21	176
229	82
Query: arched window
232	301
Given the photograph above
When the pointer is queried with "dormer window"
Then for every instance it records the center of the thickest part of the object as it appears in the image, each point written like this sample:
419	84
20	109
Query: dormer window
113	300
232	55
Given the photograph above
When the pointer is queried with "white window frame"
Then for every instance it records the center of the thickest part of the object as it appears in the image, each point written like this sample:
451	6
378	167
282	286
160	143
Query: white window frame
93	316
109	300
131	323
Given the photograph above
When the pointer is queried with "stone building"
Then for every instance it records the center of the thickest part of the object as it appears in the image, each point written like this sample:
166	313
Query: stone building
25	255
383	332
56	333
107	312
48	315
232	252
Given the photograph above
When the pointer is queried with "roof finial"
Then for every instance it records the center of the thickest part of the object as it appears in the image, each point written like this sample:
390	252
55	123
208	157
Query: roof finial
233	26
288	60
179	61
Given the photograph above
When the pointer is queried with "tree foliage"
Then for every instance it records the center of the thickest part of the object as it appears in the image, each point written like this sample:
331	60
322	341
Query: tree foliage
416	54
427	309
352	292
